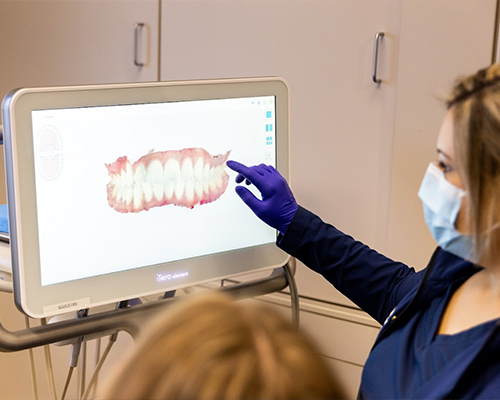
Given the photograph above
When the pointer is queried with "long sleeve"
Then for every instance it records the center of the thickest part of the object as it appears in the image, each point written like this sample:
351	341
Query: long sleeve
372	281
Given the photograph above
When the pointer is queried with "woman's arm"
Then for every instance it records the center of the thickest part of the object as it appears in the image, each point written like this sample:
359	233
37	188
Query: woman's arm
372	281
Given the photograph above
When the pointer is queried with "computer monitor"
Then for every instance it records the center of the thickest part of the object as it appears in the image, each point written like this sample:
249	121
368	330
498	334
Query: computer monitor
121	191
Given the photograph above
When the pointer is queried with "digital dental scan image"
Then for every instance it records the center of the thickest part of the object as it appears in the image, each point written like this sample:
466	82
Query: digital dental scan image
186	177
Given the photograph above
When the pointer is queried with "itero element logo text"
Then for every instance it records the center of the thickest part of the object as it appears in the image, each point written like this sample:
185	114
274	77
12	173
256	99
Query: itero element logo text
169	277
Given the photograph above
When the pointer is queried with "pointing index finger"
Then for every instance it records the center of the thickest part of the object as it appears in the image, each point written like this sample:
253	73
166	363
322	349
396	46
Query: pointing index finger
245	172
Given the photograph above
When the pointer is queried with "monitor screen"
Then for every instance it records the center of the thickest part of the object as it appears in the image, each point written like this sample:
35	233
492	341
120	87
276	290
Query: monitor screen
121	191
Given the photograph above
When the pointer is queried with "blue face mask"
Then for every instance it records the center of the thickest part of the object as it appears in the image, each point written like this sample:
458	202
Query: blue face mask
442	201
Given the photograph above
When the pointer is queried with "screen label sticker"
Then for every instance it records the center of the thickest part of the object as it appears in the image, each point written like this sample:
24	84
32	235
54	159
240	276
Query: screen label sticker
73	305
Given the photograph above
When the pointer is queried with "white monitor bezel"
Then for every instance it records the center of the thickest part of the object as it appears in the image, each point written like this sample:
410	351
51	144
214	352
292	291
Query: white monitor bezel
39	301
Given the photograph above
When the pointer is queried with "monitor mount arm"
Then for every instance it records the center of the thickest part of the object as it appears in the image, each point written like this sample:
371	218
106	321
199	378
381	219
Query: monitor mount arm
131	319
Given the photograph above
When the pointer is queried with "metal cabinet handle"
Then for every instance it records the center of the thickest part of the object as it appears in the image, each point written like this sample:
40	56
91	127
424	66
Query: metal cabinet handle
137	29
378	36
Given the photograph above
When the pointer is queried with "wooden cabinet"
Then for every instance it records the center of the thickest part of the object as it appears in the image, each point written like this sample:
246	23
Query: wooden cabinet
76	42
46	43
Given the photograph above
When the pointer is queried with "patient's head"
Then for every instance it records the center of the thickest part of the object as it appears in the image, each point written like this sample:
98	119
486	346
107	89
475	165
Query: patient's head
211	347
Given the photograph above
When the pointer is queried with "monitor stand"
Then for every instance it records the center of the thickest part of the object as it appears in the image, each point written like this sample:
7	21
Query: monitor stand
132	317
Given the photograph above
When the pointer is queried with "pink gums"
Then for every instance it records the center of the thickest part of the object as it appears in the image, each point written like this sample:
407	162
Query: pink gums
130	188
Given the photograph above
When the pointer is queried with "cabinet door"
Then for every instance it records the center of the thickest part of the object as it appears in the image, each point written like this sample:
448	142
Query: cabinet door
47	43
76	42
440	41
341	121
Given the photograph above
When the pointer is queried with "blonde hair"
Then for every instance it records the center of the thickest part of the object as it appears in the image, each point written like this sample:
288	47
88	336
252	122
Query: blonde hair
211	347
475	105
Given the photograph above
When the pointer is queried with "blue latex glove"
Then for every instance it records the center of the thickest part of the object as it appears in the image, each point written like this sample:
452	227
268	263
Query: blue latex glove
278	206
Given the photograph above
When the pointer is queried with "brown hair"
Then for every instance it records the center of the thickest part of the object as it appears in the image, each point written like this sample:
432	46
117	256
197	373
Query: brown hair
211	347
475	104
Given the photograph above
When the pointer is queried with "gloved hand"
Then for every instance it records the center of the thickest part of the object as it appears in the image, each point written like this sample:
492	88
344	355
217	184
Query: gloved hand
278	206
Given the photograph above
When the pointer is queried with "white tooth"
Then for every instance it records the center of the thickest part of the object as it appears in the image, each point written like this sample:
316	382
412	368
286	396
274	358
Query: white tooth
123	178
179	188
130	175
138	195
198	169
129	195
218	170
158	190
212	186
148	191
119	196
172	170
206	188
169	189
218	181
113	178
155	172
116	189
189	189
155	178
140	174
198	189
118	179
187	169
206	172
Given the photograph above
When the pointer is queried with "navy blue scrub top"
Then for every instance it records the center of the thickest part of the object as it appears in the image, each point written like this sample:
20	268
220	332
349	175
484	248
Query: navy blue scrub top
414	355
408	360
